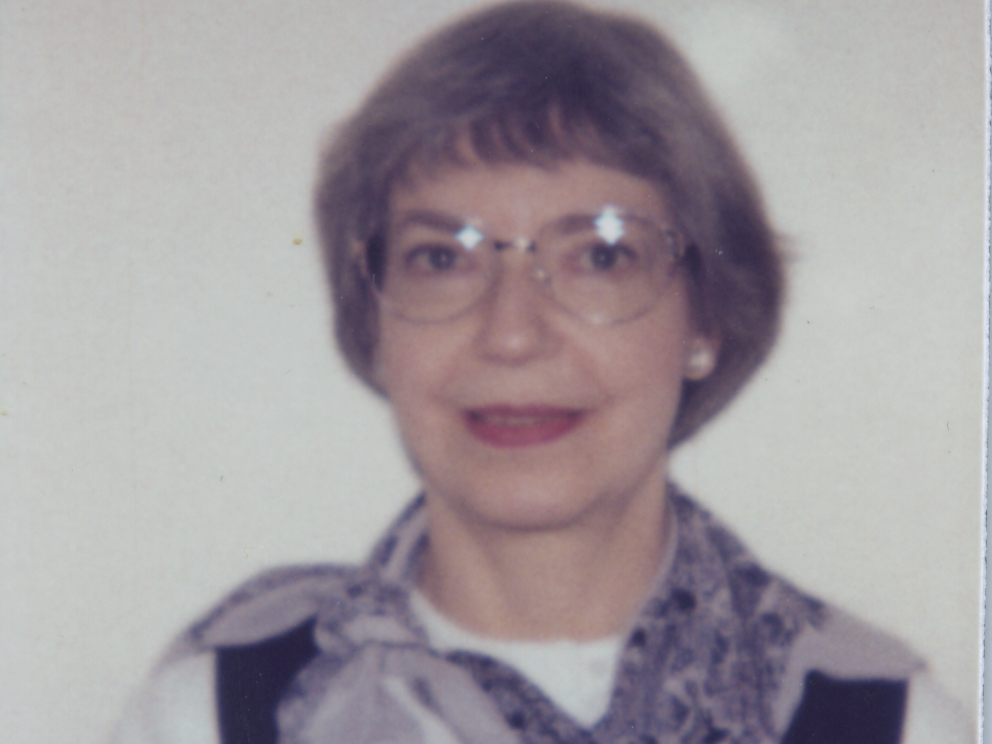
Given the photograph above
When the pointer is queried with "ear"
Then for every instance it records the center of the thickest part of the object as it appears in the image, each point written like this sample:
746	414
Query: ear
701	358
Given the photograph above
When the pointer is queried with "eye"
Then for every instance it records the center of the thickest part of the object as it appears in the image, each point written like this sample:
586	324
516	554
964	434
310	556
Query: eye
435	258
604	257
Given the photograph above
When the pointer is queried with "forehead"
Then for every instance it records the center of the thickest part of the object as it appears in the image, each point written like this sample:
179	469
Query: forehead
519	195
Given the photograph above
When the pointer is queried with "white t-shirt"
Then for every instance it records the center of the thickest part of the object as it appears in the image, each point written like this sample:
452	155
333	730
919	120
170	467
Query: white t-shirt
576	676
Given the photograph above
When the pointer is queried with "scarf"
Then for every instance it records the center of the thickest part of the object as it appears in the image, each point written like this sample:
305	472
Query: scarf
717	654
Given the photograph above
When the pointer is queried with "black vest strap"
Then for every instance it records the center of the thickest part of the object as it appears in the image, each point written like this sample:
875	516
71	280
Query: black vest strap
864	711
252	679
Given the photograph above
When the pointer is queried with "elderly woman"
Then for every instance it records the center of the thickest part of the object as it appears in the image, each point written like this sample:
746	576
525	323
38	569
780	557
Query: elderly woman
546	252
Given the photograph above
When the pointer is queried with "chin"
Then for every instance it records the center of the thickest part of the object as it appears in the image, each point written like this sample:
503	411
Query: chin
525	506
534	516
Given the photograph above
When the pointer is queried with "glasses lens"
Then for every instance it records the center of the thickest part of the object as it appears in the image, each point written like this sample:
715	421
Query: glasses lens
434	272
608	268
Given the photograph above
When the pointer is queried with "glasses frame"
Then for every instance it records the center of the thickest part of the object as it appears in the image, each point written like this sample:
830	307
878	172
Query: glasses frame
677	244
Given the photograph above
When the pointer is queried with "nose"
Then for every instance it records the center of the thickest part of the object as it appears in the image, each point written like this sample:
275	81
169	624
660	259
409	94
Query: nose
514	313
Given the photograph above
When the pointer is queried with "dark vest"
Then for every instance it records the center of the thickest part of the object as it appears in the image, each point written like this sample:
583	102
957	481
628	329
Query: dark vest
251	680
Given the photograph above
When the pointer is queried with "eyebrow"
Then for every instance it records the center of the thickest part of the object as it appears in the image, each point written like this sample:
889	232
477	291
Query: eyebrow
570	223
430	218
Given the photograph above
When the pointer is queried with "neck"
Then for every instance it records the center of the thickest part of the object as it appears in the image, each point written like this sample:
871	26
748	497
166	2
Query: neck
581	582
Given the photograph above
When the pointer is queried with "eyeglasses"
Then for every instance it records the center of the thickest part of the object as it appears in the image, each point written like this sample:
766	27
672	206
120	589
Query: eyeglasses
605	268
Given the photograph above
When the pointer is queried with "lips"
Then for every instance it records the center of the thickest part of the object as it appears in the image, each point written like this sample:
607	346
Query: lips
520	426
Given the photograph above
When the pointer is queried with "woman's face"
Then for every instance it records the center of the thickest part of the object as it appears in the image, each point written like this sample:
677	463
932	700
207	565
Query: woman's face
517	413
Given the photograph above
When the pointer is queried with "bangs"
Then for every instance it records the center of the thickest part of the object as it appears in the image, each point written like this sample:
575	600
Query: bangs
543	138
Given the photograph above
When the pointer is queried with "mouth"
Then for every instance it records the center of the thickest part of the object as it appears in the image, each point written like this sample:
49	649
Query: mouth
520	426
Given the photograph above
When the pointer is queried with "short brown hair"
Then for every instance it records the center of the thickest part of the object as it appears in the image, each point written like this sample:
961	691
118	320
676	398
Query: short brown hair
542	81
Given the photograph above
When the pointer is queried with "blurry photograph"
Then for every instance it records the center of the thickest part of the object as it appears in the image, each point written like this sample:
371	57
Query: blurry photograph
530	372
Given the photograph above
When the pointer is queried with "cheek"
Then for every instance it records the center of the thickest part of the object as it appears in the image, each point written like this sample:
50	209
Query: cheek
398	363
648	388
644	371
413	365
647	358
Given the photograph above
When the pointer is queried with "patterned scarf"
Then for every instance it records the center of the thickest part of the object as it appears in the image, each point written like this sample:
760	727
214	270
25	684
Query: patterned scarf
704	662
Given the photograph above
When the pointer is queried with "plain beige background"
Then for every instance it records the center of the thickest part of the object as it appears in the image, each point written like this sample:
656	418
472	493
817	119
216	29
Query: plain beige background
174	418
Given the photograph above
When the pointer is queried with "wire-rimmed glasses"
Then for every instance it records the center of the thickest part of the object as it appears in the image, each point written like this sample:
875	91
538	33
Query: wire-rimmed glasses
606	268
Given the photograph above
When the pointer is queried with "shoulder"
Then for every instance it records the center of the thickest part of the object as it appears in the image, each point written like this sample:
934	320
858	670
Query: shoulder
845	672
933	716
176	704
812	659
816	633
266	606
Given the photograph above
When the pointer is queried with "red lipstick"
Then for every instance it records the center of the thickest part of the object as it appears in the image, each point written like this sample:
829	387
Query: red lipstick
520	426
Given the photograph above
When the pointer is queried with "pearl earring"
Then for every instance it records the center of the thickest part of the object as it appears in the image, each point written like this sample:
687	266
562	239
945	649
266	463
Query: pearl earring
700	362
